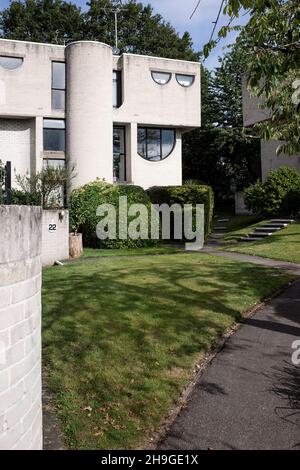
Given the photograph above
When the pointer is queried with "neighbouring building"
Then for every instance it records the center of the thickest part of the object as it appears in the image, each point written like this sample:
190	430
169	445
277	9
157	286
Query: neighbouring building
120	118
253	114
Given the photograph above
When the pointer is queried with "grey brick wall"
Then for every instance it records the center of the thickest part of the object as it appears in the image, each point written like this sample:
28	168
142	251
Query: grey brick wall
20	328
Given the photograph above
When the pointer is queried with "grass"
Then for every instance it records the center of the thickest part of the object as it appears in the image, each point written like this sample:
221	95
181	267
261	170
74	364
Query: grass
159	250
121	337
240	226
283	245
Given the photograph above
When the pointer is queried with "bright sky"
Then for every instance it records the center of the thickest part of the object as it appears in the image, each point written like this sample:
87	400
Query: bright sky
177	12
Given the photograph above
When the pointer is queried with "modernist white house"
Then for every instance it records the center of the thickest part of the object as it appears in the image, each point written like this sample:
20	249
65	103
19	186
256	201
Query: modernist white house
120	118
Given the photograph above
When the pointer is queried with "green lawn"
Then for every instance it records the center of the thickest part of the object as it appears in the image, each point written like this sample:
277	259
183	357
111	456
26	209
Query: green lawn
159	250
239	226
121	337
283	245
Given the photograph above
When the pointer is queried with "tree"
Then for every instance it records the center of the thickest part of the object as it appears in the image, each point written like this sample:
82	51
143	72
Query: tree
57	21
270	43
49	21
220	154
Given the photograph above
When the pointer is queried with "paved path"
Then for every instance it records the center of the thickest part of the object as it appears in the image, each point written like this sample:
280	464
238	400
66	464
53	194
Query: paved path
249	397
293	268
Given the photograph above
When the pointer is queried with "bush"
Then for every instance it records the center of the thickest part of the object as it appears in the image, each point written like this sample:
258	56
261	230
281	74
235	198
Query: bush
190	193
279	195
83	205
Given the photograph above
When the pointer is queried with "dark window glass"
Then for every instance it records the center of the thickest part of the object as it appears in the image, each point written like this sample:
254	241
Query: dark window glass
54	135
117	88
10	63
58	85
119	154
155	144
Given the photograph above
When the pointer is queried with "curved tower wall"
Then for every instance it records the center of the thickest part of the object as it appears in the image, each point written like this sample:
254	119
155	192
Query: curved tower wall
89	111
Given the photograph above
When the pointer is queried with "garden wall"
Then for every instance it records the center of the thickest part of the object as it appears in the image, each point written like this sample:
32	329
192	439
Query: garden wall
55	236
20	327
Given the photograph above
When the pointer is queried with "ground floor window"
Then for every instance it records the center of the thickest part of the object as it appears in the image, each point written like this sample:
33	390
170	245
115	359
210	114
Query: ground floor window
54	135
119	154
155	144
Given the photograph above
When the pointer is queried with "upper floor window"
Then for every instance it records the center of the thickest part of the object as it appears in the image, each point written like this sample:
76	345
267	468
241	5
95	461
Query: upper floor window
155	144
54	135
185	80
58	85
162	78
10	63
117	88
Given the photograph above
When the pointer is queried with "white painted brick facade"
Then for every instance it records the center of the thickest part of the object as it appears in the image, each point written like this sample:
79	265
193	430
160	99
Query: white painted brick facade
20	328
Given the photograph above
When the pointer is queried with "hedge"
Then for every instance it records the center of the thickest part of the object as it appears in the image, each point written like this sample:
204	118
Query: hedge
279	195
190	193
83	218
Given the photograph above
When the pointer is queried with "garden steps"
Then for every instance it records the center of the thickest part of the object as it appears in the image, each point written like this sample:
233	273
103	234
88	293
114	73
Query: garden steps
219	230
266	230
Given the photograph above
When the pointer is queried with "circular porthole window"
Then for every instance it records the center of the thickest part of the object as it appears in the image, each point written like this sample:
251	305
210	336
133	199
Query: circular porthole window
185	80
162	78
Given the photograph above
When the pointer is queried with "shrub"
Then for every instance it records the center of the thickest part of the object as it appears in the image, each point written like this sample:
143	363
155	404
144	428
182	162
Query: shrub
83	205
279	195
190	193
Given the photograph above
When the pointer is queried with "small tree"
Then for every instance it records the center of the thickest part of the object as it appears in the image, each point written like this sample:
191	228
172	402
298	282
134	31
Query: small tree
45	188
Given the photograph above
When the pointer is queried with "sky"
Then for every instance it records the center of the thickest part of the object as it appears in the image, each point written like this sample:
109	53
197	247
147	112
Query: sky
178	13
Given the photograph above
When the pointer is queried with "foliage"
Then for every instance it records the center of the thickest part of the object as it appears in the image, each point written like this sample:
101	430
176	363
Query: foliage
270	44
45	188
57	21
83	206
187	194
220	154
279	195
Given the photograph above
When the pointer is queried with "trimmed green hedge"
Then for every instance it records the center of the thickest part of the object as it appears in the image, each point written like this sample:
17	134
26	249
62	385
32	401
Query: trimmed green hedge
83	205
279	195
189	193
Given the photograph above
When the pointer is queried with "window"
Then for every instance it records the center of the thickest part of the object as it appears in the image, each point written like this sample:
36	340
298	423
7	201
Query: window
58	85
54	135
117	88
10	63
162	78
119	154
155	144
185	80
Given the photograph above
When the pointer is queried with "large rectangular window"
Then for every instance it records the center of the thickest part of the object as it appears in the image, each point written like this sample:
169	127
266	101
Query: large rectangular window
58	85
117	88
54	135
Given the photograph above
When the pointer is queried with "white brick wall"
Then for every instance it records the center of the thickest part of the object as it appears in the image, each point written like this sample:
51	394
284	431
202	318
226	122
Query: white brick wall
17	144
55	243
20	328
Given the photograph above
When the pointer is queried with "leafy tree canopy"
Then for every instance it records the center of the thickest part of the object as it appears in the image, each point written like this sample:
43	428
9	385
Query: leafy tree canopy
58	21
270	44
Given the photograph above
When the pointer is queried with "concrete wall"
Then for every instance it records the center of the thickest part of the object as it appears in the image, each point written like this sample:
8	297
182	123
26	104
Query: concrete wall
146	102
26	91
252	113
240	208
270	161
20	328
55	236
89	111
17	144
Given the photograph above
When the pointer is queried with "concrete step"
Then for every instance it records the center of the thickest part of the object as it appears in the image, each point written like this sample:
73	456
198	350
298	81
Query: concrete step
216	227
282	221
267	228
250	239
223	220
260	234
